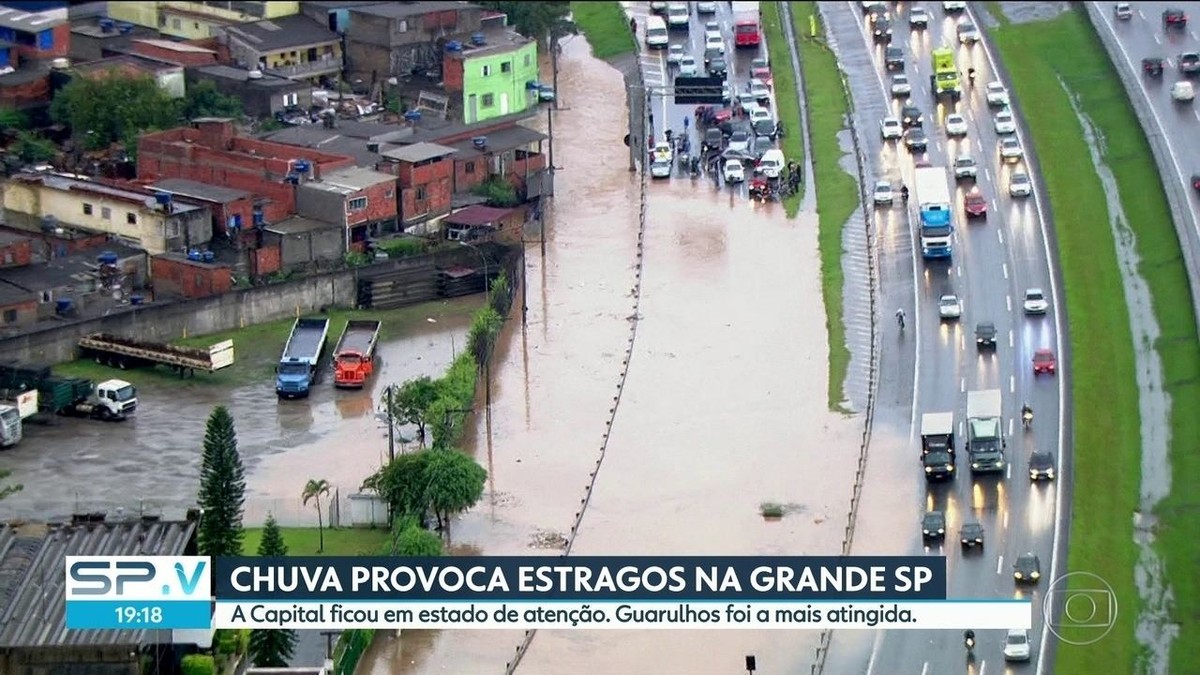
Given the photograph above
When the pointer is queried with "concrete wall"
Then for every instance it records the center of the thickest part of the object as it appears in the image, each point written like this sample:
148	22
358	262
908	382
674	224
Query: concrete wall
298	250
319	204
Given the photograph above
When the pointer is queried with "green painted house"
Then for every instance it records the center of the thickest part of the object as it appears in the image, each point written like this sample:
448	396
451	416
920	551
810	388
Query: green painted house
493	79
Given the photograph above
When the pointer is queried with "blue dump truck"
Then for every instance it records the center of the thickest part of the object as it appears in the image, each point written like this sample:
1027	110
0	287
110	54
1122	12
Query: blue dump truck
301	361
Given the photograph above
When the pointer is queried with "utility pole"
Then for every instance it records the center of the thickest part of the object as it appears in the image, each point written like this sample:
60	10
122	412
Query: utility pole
391	425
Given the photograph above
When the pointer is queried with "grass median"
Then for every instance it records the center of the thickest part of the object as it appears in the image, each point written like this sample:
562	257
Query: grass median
836	190
1043	57
606	28
787	95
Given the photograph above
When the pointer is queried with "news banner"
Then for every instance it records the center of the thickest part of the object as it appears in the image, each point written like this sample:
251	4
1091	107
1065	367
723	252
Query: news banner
589	593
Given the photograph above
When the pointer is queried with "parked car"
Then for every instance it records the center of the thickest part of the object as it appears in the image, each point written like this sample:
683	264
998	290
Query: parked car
883	193
1019	185
733	172
890	128
901	87
997	94
965	168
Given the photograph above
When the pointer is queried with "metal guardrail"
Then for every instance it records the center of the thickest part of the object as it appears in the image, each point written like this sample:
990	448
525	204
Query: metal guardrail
1187	230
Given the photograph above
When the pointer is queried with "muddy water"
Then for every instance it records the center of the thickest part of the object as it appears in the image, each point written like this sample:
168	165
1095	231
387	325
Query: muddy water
724	407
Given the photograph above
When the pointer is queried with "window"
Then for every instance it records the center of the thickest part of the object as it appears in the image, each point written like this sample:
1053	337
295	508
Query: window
469	167
390	194
528	60
175	23
506	67
171	229
356	204
131	218
489	100
87	209
487	70
10	316
105	213
402	26
420	193
291	99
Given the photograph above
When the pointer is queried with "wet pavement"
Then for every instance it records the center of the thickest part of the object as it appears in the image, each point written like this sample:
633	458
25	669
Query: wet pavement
724	407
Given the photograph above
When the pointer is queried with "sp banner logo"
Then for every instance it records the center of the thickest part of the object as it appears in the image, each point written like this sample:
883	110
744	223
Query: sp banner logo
138	578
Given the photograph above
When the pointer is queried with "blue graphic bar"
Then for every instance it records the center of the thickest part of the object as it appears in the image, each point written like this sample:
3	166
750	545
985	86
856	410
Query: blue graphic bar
139	614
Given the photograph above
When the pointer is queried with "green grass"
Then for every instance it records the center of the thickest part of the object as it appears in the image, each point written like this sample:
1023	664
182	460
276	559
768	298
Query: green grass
787	95
1107	444
606	28
257	347
836	190
342	541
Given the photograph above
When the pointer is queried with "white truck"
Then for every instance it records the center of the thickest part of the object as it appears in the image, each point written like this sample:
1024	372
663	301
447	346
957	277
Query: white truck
15	408
985	431
937	433
935	207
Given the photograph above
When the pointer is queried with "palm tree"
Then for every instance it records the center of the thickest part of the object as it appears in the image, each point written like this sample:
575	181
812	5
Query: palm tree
314	490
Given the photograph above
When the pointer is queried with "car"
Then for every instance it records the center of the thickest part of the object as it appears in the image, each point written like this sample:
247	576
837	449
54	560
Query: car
679	15
915	141
1044	361
956	125
971	535
771	164
713	139
954	7
883	193
1016	645
876	11
918	18
726	92
1189	63
747	101
712	53
985	335
1035	301
997	94
893	58
759	70
718	68
975	204
1152	66
660	169
949	306
911	115
739	141
933	526
1173	17
890	128
1041	466
714	42
658	7
873	6
968	34
901	87
760	114
1196	182
1010	150
663	152
1004	123
881	30
688	67
675	54
939	465
765	127
1183	91
706	8
1123	11
733	172
760	90
965	168
1019	185
712	27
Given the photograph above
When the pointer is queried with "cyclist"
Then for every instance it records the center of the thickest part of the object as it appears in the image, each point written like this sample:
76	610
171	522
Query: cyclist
900	318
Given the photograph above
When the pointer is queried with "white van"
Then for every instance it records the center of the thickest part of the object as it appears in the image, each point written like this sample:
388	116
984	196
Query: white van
771	164
1183	91
656	32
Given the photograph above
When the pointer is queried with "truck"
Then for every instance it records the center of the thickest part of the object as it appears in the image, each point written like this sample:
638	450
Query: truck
354	356
945	82
15	408
747	20
123	352
301	361
937	432
35	389
935	209
985	431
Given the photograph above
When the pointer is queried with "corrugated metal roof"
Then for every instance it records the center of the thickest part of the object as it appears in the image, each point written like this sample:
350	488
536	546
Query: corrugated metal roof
32	600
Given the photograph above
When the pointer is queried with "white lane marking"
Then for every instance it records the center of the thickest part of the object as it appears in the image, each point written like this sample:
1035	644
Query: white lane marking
962	342
1005	520
1005	266
1010	426
958	270
962	385
1058	338
1196	113
983	664
925	669
1157	39
987	174
874	651
1012	384
1008	301
999	232
1008	472
1193	34
999	564
1010	338
962	426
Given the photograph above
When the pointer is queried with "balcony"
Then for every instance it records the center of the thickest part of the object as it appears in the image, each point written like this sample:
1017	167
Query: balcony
301	71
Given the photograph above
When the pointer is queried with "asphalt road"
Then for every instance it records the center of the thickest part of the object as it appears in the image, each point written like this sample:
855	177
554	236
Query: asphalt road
929	367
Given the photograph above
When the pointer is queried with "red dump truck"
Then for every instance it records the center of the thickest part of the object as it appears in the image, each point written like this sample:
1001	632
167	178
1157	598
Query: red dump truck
354	357
747	28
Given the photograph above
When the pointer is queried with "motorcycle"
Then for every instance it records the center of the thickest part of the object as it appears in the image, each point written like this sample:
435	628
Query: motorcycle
1027	418
695	167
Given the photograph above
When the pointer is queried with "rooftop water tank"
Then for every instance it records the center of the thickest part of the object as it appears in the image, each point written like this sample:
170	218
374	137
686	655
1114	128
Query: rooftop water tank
107	258
136	299
302	165
162	198
63	305
413	115
209	256
125	28
108	25
60	64
254	75
194	255
480	142
478	40
454	46
49	223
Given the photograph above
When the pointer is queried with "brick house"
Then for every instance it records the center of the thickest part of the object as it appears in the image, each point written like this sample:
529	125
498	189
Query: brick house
361	201
174	274
232	210
37	36
15	250
426	175
168	76
180	53
397	38
18	307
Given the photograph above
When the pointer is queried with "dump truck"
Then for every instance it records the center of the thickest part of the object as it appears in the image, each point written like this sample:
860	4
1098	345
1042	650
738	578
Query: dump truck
937	432
985	431
354	356
122	352
945	81
301	361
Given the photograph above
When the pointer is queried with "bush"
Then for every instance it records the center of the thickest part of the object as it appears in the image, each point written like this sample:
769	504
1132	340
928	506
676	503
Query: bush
456	393
198	664
498	193
402	247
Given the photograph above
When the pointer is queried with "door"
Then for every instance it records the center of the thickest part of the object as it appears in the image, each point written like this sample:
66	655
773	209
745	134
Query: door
504	104
472	109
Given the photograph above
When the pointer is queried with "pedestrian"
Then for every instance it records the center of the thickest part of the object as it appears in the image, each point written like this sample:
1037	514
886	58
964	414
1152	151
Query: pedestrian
633	26
651	114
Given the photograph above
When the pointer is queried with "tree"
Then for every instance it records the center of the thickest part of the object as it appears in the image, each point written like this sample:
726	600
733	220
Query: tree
272	648
314	490
455	484
532	19
402	483
8	490
113	107
12	119
411	401
203	99
32	149
222	488
409	539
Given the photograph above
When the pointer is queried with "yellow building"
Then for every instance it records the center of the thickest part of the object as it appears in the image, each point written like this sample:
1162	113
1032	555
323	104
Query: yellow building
134	217
197	20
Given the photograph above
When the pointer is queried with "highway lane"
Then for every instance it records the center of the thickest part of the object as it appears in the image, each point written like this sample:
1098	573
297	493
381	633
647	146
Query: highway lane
994	263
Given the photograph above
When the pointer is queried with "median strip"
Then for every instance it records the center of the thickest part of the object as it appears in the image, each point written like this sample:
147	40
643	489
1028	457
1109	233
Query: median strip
787	95
606	28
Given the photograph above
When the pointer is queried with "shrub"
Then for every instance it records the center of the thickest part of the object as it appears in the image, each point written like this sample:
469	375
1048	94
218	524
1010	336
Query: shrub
198	664
498	193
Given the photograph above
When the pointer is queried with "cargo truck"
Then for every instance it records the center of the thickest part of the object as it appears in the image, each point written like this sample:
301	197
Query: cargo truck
11	427
301	361
35	385
354	356
985	432
937	432
747	31
935	208
122	352
945	81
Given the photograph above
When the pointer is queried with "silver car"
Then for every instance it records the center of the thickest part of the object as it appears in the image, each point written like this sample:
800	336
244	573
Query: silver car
1019	185
901	87
675	54
1035	301
949	306
1004	123
883	193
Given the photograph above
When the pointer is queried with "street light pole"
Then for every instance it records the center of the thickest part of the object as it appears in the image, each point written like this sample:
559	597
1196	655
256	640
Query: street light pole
391	426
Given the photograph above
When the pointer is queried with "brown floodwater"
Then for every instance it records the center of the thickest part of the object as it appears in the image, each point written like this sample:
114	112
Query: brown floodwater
724	407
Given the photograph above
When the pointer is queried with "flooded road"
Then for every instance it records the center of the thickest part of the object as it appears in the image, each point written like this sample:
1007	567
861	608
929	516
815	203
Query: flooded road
724	407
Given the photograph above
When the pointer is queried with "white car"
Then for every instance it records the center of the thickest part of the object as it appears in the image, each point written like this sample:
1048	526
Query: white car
965	168
706	8
675	54
1016	645
890	128
688	67
956	125
726	92
678	14
660	169
901	87
716	42
712	27
713	32
997	95
949	307
918	18
1183	91
1036	302
662	152
771	164
760	91
739	141
883	193
1010	150
968	34
760	114
954	6
1019	185
733	172
1004	123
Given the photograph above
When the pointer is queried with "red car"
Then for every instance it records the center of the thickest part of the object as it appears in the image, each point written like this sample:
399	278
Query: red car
1173	17
1196	181
1044	362
763	74
975	205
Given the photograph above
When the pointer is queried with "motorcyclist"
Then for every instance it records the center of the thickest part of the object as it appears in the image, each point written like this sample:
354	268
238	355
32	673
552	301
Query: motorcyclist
1026	411
971	76
904	192
900	318
969	639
